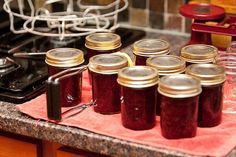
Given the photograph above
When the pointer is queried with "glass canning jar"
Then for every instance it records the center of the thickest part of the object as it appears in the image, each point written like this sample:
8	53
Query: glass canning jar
212	78
60	59
138	97
105	89
198	53
179	105
99	43
146	48
166	65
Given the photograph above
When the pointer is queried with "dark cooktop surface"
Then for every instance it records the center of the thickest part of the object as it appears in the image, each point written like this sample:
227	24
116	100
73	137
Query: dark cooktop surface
23	77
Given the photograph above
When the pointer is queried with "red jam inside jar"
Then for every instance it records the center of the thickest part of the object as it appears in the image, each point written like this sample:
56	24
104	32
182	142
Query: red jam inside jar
212	78
60	59
166	65
105	89
100	43
179	105
138	97
198	53
147	48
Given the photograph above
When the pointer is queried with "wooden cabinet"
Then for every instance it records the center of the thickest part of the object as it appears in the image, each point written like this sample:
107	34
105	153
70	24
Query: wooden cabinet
12	145
69	152
19	146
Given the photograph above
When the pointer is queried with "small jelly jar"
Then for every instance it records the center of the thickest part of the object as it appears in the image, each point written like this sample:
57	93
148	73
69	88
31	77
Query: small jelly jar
179	105
166	65
60	59
105	89
146	48
212	78
99	43
138	97
198	53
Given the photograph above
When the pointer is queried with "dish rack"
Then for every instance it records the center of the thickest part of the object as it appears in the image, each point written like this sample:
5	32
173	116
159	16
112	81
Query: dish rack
77	19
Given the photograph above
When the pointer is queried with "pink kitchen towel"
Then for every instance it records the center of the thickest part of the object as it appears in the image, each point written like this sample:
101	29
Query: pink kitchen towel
215	141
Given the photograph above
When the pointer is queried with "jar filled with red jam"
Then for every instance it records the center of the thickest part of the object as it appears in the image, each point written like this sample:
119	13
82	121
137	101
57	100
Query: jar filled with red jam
105	89
138	97
179	105
198	53
146	48
99	43
212	78
58	60
166	65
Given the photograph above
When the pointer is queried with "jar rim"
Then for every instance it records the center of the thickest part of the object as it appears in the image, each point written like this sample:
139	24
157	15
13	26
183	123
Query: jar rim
208	74
107	63
64	57
179	86
138	77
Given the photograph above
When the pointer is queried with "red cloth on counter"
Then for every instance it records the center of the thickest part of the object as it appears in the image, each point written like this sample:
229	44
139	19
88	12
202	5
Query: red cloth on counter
215	141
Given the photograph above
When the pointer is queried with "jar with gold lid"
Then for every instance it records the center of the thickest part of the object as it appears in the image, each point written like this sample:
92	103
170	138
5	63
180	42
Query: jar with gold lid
198	53
64	84
138	96
99	43
212	78
105	89
166	65
179	105
146	48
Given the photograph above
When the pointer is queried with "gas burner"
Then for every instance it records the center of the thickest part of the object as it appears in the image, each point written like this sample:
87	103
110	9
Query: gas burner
5	64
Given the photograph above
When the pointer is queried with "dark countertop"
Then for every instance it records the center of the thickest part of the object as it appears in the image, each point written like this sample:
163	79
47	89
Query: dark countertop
13	121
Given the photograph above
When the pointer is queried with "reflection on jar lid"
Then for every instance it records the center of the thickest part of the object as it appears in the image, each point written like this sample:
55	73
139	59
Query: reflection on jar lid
64	57
209	74
167	64
151	47
103	41
198	53
107	63
138	76
179	86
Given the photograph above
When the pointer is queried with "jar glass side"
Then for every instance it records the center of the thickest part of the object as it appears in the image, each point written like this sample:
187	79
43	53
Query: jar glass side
106	93
138	107
179	117
210	106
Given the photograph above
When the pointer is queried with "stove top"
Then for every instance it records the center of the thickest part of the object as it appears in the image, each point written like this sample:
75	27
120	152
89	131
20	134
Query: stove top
23	77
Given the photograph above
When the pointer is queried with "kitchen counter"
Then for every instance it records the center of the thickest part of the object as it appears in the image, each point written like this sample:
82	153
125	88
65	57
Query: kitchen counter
13	121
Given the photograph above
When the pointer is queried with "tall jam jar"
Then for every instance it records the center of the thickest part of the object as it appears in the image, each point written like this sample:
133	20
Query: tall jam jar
99	43
212	78
166	65
179	105
198	53
60	59
138	97
146	48
105	89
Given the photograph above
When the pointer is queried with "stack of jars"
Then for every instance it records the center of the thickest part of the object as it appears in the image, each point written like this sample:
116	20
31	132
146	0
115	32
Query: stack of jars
156	85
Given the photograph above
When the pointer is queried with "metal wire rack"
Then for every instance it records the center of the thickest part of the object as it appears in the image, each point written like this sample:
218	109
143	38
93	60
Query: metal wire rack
77	19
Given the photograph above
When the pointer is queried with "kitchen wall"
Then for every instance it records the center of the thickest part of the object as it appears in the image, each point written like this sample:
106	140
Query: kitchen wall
149	14
154	14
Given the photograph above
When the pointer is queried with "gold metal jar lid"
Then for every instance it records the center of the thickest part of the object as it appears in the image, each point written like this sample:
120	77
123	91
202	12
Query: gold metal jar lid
179	86
103	41
208	74
151	47
167	64
199	53
138	77
107	63
64	57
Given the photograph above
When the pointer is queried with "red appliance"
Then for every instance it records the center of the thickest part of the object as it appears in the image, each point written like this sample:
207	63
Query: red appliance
208	19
